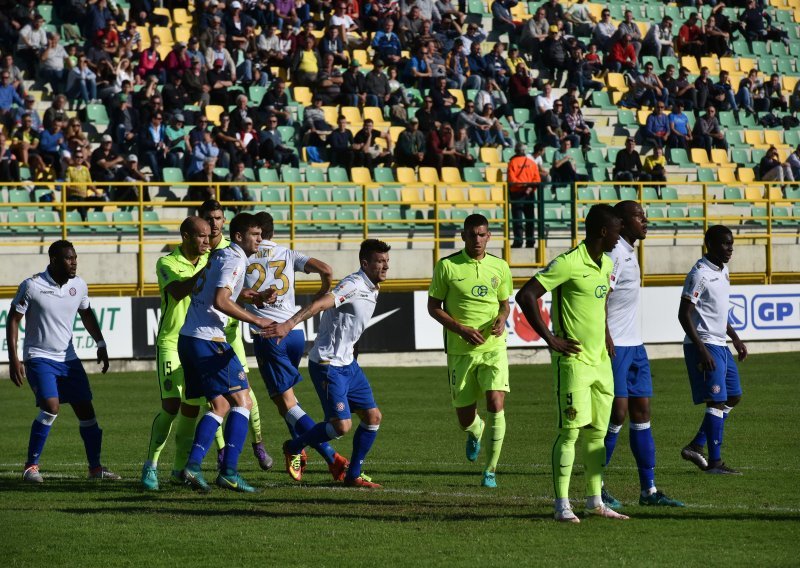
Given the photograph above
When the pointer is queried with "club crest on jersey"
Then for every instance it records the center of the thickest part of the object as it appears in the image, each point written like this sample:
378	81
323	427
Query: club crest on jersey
339	407
168	384
715	389
571	413
495	282
72	291
242	376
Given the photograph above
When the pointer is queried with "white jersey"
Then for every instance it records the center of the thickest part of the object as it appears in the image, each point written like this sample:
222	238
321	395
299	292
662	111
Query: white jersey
354	300
274	266
225	269
623	305
50	312
708	287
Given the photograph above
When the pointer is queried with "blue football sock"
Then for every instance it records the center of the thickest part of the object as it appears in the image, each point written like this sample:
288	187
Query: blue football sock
362	442
92	440
320	433
700	438
39	431
713	425
203	438
299	422
235	435
644	451
610	440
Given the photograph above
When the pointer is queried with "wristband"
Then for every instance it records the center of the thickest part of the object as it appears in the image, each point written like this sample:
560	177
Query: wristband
101	344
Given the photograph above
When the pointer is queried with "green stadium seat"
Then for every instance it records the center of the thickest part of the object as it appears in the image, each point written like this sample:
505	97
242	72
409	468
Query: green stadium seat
757	212
384	175
781	217
627	118
172	175
628	193
46	216
608	193
290	175
649	193
473	175
96	114
656	217
563	194
315	175
792	193
391	219
346	217
256	93
267	175
586	194
316	194
323	218
75	217
522	115
706	175
22	198
342	194
734	193
476	7
98	221
272	195
760	50
388	194
596	157
741	157
600	100
792	137
222	172
121	217
678	216
19	217
151	220
337	175
679	157
670	195
301	218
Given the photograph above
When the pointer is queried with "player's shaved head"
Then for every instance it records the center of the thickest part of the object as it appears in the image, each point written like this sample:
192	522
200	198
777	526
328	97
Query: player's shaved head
600	217
626	209
58	248
267	224
193	225
717	233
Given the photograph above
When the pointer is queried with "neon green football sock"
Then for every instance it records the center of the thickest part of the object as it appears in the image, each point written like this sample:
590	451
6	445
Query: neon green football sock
184	437
159	432
496	424
255	421
563	457
594	459
476	428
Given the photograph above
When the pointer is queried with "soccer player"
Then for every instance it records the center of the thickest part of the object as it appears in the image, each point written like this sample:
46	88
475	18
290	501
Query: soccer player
584	384
49	302
469	295
211	367
341	384
177	274
713	376
633	385
273	267
212	212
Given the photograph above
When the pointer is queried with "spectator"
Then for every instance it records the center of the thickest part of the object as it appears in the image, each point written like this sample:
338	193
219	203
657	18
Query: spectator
581	19
9	163
496	62
514	59
153	146
683	91
379	92
177	141
758	25
125	125
443	101
174	94
332	43
340	142
427	9
15	73
386	43
707	132
622	57
629	27
656	129
478	129
98	17
496	128
427	116
774	94
411	147
220	81
658	40
314	122
538	157
523	181
129	173
772	169
545	100
25	146
604	31
237	192
502	20
52	143
178	59
497	98
519	89
716	39
534	32
410	26
419	69
131	40
52	69
379	12
440	148
655	166
218	52
248	142
8	96
75	136
576	128
350	30
554	13
328	85
104	161
564	169
628	164
29	109
150	62
581	73
648	89
680	134
354	87
703	89
793	160
750	93
368	153
554	54
205	183
201	151
32	41
272	148
447	33
79	185
724	96
242	112
690	38
461	145
276	103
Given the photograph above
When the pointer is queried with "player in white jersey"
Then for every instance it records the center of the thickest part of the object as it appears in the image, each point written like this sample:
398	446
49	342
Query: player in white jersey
713	374
49	302
211	367
633	384
340	383
274	267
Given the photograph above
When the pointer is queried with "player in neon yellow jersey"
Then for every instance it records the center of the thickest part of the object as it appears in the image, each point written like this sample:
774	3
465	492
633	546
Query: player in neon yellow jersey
584	383
212	212
469	296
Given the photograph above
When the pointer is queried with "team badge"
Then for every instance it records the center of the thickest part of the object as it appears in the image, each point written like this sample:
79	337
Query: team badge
339	407
715	389
242	376
571	413
495	282
72	291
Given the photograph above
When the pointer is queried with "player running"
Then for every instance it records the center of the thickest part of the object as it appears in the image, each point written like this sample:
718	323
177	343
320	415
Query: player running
177	274
49	302
584	383
713	376
633	385
212	212
211	367
469	295
341	384
273	267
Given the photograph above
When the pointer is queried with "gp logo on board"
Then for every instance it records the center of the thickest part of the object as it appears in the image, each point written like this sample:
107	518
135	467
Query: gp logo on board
775	311
737	312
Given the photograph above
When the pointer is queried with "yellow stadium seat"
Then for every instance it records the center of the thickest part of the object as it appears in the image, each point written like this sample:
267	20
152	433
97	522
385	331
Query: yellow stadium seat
616	81
712	63
406	175
331	114
352	114
361	56
747	63
459	96
642	114
164	34
394	132
302	95
700	157
491	155
776	195
727	175
789	82
451	175
729	64
183	34
746	175
691	64
455	195
753	193
376	115
754	137
428	175
773	137
164	12
213	112
719	156
478	195
410	195
181	16
493	173
360	175
497	194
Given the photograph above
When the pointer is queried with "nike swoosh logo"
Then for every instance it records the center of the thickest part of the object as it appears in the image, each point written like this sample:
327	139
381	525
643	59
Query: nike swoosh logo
380	318
231	485
586	275
458	279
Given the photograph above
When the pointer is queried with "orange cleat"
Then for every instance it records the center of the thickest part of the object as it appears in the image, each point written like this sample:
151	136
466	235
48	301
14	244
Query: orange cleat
339	467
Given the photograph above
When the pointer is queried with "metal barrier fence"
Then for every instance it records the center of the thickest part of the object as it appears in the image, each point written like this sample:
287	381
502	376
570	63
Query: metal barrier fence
413	214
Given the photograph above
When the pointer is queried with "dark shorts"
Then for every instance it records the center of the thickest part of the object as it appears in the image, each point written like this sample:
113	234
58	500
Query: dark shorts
712	386
64	380
210	368
341	389
278	362
632	373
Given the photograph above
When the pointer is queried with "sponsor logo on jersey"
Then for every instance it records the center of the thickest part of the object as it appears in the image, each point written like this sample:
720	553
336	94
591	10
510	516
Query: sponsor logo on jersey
480	291
601	291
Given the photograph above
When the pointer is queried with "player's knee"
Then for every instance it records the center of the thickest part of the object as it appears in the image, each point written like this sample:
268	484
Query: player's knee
495	401
342	427
50	406
568	435
189	410
373	417
733	401
171	405
247	403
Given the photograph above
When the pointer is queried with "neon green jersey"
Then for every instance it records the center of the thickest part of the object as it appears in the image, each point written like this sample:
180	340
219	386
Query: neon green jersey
232	328
579	287
174	267
471	291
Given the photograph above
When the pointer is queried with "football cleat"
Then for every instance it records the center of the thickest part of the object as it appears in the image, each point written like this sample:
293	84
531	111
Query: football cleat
177	478
196	480
339	467
149	478
303	460
293	463
361	481
722	469
695	455
101	472
474	444
658	499
265	461
489	479
566	516
609	499
234	482
32	475
606	512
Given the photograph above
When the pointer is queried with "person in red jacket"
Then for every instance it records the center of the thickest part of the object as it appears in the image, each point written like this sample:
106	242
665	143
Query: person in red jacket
523	180
622	57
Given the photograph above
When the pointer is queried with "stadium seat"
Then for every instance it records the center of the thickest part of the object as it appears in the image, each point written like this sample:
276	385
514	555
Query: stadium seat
746	175
97	114
315	174
151	222
450	175
337	175
706	175
406	175
73	217
41	217
758	216
21	222
98	222
384	175
428	175
121	220
700	157
346	218
267	175
360	175
290	175
21	198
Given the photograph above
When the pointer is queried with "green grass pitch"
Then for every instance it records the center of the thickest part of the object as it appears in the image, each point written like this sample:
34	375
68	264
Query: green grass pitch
432	510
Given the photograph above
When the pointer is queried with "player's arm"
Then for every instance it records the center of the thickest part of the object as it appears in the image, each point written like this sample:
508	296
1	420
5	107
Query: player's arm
258	299
15	367
224	303
316	266
685	318
173	284
738	344
528	300
469	334
281	330
91	325
499	325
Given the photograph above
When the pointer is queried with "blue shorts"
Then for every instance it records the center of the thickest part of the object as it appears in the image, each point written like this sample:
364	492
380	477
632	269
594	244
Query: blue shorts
632	373
717	385
278	362
64	380
210	368
341	389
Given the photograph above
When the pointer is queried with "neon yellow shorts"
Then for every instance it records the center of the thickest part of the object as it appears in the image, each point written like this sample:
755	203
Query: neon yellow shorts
472	374
584	393
170	376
